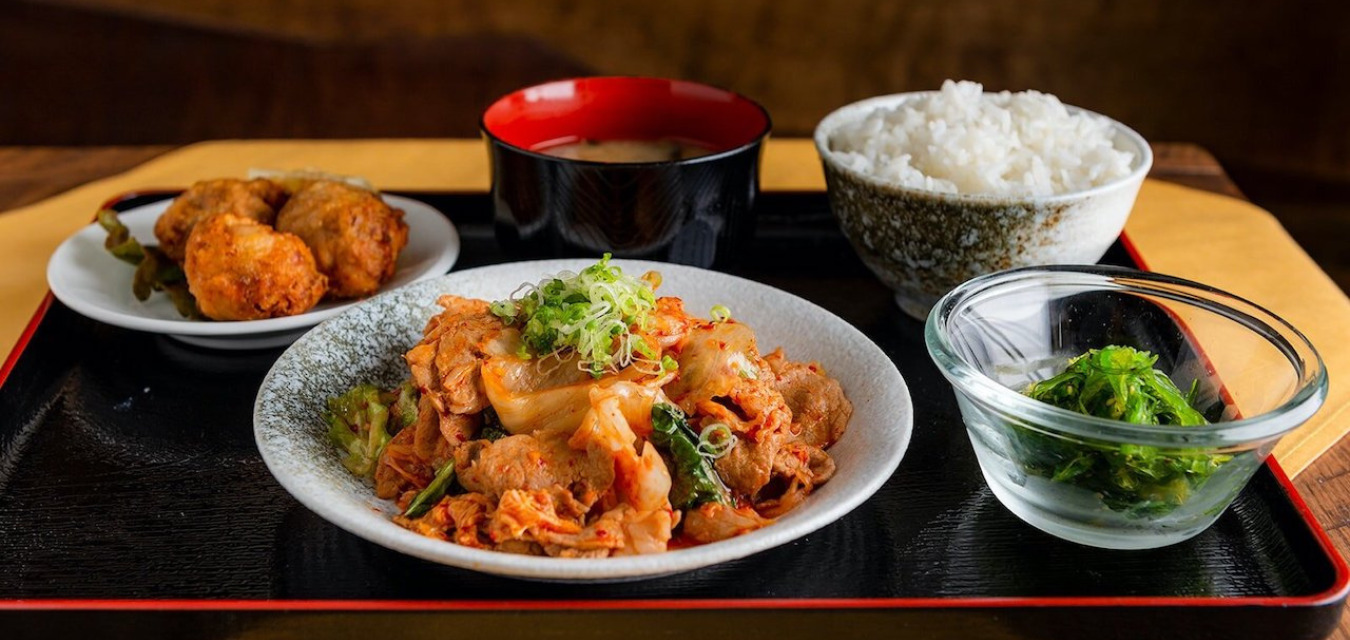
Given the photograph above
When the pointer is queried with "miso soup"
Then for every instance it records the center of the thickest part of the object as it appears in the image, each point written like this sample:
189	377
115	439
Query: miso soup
663	150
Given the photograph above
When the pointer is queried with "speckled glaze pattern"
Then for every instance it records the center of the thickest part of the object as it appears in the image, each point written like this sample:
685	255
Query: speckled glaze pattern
923	244
366	344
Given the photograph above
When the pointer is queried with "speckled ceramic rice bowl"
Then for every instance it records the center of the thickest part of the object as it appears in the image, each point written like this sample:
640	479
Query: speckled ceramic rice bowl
923	243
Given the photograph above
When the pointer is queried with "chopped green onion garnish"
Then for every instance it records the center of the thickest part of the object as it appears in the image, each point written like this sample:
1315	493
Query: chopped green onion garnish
716	440
720	313
592	313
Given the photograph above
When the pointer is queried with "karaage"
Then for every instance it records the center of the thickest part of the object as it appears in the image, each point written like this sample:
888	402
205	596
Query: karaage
241	269
355	236
255	199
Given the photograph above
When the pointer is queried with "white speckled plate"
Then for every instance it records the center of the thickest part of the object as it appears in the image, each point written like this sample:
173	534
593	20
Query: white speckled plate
89	280
366	344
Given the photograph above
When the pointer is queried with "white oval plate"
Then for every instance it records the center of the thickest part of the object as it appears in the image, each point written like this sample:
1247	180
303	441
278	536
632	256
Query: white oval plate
88	279
366	344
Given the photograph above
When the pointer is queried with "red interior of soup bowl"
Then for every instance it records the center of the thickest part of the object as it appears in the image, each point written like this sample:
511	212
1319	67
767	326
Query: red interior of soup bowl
624	108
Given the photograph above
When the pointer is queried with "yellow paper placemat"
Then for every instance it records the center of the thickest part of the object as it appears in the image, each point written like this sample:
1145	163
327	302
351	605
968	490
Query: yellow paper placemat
1221	241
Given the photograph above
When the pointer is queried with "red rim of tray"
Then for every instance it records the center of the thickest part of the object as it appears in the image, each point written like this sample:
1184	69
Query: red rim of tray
1338	589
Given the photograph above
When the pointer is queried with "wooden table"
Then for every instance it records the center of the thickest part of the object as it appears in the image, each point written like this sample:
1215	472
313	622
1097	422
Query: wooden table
28	174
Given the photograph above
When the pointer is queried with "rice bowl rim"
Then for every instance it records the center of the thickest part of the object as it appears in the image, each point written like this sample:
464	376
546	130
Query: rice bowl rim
856	111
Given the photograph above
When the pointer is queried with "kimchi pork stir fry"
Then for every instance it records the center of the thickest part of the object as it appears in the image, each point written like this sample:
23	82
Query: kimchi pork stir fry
585	417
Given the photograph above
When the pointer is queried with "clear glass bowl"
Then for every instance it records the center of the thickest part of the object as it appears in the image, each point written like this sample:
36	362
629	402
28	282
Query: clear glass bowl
1109	483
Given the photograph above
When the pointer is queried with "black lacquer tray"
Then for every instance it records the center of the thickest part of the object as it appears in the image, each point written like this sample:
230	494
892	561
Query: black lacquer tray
134	503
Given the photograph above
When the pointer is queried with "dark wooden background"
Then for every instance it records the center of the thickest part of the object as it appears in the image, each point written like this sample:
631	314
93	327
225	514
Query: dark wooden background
1264	84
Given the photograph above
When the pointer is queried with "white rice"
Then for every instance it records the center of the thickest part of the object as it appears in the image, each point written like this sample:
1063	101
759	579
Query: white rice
962	140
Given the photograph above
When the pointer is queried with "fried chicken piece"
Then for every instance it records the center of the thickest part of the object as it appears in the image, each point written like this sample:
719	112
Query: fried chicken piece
255	199
241	269
355	236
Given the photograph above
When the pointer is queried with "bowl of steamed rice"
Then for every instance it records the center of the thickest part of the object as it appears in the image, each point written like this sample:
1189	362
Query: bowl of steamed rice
934	188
